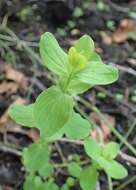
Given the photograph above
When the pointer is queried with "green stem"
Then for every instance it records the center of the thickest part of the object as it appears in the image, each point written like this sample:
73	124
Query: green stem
116	133
109	182
126	183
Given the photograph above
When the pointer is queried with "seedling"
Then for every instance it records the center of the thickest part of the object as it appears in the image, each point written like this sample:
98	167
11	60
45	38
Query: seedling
53	114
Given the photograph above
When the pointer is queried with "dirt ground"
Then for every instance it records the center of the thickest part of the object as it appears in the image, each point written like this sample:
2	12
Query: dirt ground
112	25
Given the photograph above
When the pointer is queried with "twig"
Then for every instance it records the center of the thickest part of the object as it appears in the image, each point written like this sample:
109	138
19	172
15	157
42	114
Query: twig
126	183
122	155
10	150
127	158
126	69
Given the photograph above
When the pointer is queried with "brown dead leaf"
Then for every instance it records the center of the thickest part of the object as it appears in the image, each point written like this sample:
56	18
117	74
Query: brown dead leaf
102	129
16	76
122	33
8	87
106	38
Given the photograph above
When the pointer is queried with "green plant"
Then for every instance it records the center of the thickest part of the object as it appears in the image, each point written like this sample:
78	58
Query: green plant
53	114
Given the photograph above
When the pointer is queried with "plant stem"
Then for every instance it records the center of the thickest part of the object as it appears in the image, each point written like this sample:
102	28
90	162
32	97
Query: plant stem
109	182
126	183
116	133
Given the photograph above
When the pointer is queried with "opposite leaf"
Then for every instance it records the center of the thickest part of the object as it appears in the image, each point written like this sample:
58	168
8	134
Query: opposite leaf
23	114
92	148
89	178
77	127
52	110
77	87
98	74
34	183
36	156
85	46
74	169
112	168
111	150
52	55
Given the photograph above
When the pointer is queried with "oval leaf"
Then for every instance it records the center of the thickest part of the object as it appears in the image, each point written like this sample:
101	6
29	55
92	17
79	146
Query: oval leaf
52	55
92	148
52	110
77	127
111	150
23	114
85	46
89	178
36	156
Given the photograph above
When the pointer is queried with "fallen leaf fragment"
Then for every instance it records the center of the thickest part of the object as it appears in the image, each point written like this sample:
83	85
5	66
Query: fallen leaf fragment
14	75
122	33
102	130
8	87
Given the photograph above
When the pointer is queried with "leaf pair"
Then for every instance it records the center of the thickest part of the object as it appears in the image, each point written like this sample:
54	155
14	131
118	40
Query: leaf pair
49	113
35	183
87	177
81	58
104	157
36	159
53	114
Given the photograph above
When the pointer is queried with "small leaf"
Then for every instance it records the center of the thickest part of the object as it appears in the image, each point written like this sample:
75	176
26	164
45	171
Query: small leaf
33	182
89	178
36	156
52	55
70	181
111	150
47	170
64	187
22	114
74	169
92	148
76	60
112	168
116	170
77	127
85	46
52	110
98	74
77	87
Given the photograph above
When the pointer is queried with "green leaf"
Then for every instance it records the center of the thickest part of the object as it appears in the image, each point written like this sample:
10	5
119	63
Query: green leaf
47	170
52	55
70	181
112	168
65	187
85	46
116	170
22	114
76	60
77	127
74	169
50	185
36	156
92	148
52	110
89	178
56	136
77	87
111	150
98	74
33	182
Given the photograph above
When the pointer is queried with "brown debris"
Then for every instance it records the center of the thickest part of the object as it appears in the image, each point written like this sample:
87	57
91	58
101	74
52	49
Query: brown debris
122	33
102	130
